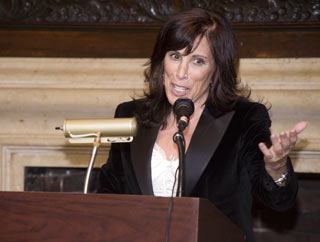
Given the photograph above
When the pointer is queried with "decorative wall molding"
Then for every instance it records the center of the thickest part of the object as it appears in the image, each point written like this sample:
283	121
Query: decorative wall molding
281	73
150	11
127	74
16	158
306	161
100	73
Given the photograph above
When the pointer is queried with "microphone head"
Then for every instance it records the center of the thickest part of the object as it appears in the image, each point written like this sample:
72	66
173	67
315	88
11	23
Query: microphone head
183	107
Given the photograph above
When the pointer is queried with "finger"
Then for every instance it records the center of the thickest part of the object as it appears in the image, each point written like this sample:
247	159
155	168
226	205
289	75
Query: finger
277	147
293	137
265	151
299	127
285	141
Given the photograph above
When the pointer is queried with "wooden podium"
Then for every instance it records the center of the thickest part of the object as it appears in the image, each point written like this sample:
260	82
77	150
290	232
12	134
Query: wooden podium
39	216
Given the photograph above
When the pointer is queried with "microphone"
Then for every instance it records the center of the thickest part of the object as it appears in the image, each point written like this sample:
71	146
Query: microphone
110	129
183	109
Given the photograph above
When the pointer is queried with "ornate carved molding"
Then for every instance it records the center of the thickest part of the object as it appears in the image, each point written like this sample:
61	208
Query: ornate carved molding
42	12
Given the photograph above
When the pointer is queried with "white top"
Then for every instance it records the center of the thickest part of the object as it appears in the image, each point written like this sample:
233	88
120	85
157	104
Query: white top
162	172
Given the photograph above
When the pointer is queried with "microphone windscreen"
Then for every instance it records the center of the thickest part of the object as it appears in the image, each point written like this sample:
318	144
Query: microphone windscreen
183	107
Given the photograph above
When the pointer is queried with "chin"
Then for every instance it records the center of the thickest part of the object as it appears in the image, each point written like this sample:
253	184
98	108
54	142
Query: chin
172	99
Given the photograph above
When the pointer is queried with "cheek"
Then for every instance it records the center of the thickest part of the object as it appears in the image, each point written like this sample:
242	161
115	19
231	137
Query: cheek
202	78
168	69
166	79
167	88
200	88
201	81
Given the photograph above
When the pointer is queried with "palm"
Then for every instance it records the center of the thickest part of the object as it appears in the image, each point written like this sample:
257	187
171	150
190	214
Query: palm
282	144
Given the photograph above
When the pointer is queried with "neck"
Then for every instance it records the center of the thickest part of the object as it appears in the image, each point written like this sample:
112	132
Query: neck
194	118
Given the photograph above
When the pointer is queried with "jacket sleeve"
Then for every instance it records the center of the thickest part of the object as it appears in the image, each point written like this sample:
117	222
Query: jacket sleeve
111	173
111	177
257	123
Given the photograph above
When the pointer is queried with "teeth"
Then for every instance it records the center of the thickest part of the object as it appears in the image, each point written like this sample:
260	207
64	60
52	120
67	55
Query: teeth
181	89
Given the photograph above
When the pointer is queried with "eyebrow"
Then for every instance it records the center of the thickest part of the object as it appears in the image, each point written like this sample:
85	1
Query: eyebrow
197	55
202	56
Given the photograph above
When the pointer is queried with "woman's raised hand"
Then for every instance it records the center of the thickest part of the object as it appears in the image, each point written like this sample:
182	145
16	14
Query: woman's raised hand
275	157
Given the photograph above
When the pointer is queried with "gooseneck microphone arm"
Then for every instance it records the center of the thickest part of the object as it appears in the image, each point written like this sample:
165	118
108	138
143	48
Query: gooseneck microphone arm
183	108
178	138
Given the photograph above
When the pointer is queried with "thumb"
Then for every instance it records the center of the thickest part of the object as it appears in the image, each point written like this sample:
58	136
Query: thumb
299	127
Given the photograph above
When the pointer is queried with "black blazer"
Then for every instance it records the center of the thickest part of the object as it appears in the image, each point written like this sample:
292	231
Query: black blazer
223	163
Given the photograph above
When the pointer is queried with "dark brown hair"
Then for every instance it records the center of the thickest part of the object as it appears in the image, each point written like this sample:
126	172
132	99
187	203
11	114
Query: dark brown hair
181	32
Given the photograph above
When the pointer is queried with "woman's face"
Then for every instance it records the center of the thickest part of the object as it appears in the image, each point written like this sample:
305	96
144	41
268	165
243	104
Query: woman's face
189	76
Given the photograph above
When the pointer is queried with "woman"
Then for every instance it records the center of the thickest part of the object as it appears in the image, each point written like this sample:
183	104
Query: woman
231	155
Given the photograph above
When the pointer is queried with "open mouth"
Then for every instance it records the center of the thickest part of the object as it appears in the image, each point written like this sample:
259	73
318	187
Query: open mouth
179	89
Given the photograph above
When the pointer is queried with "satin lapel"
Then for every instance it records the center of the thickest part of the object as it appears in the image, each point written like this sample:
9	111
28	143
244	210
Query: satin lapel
204	142
141	151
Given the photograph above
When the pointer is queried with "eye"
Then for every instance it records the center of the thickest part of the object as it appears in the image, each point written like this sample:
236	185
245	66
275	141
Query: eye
199	61
174	55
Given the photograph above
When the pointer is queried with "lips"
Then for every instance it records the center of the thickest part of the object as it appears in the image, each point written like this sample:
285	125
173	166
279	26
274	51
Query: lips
179	90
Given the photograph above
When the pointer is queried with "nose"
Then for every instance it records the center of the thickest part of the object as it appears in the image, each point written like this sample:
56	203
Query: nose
182	71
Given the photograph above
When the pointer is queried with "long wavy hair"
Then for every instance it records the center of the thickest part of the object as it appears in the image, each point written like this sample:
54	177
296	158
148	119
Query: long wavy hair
180	32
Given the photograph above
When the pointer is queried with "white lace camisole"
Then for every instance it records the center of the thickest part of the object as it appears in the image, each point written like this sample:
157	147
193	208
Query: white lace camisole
162	172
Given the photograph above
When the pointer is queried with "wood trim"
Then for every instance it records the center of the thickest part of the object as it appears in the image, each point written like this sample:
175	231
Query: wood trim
137	40
76	43
278	41
138	43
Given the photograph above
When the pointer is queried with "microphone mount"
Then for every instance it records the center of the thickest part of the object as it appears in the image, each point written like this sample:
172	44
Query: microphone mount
178	138
183	108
